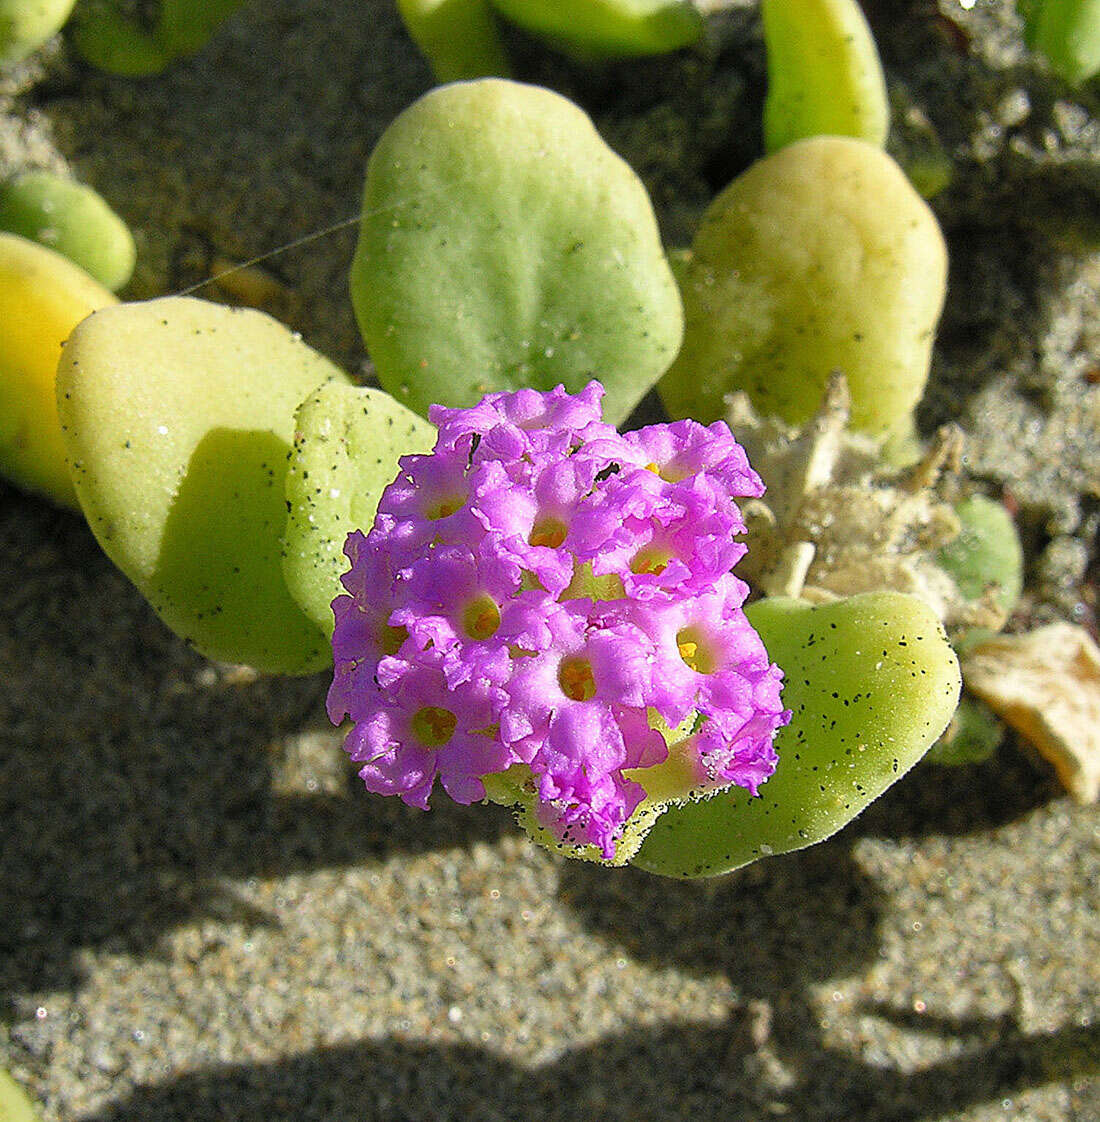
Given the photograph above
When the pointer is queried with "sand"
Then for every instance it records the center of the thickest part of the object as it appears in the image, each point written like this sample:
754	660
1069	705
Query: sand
202	914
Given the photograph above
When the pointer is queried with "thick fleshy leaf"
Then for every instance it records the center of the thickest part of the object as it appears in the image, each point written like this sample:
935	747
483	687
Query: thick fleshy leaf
43	296
347	441
608	28
109	36
27	24
824	74
504	245
72	219
14	1105
1068	33
186	25
821	257
459	37
178	416
987	553
872	682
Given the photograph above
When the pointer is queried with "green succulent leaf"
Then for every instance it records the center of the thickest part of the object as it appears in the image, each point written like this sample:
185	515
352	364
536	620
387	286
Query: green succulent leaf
503	245
824	74
110	38
178	417
347	441
459	37
114	42
187	25
820	257
43	296
971	738
26	24
916	144
73	220
987	552
599	29
1068	33
14	1105
871	682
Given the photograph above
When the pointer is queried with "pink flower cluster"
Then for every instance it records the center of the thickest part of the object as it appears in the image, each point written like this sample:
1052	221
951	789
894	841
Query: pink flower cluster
533	592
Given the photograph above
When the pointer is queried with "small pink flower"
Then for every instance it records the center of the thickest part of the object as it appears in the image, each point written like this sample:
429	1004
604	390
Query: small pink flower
420	729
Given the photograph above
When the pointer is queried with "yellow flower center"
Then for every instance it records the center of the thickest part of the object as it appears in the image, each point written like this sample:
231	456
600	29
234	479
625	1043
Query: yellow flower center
670	473
481	617
391	638
575	679
444	507
696	651
587	585
650	560
548	531
433	726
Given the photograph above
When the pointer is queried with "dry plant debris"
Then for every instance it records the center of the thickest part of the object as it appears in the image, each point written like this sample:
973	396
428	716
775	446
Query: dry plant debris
1046	685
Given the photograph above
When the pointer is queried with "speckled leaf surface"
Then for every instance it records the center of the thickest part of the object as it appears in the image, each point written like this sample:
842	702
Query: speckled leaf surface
824	74
178	416
347	441
871	682
820	258
502	245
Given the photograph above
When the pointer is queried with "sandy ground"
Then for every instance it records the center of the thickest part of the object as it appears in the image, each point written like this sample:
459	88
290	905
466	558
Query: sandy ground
203	916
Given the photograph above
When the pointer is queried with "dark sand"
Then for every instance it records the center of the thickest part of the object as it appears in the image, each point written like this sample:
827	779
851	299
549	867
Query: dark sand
203	916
